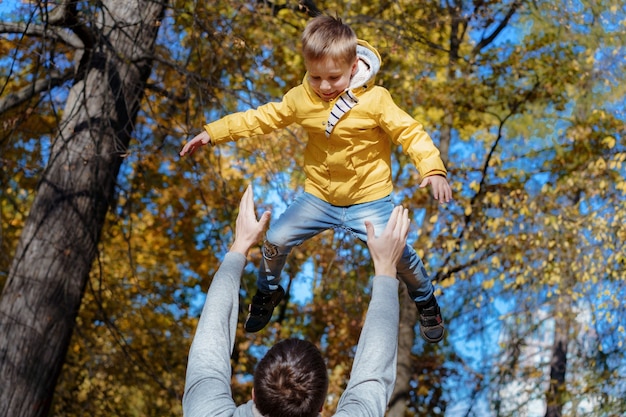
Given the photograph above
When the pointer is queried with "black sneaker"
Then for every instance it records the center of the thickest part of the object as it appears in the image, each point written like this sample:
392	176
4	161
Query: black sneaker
261	309
431	323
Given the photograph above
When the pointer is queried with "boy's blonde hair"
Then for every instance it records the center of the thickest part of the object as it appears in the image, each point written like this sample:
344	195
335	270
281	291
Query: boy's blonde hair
328	37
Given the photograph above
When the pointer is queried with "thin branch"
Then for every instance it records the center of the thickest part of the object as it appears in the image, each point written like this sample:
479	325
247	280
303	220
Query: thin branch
304	6
167	94
440	276
486	41
309	7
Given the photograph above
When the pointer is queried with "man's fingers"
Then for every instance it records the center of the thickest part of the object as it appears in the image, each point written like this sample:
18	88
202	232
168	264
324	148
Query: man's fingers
265	218
406	223
246	199
369	228
393	219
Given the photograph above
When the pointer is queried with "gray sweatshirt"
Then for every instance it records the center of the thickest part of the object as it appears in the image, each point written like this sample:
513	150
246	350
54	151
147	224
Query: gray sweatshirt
207	385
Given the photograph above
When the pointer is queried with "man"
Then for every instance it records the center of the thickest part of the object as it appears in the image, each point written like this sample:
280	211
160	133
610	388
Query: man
291	380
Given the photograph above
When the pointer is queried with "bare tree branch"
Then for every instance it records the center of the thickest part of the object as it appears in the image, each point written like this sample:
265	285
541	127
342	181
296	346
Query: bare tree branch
40	31
60	15
66	15
54	79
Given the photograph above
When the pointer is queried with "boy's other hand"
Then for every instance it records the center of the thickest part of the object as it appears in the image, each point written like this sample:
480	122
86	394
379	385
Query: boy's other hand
441	189
199	140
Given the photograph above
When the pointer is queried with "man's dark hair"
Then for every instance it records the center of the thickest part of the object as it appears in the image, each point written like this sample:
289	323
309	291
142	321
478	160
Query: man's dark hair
291	380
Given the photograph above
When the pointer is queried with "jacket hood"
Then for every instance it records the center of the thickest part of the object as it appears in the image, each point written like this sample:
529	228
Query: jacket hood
369	63
367	66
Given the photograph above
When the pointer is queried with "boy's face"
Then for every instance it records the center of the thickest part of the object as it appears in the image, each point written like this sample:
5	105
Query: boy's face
330	77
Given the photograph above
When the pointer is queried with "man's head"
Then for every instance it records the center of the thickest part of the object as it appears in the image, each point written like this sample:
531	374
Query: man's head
329	50
291	380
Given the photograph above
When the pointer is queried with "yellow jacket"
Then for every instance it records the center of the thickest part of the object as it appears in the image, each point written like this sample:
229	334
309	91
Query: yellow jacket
353	164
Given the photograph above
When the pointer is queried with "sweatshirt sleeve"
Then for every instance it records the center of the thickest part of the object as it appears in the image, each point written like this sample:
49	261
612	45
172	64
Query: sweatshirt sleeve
374	368
264	119
207	384
404	130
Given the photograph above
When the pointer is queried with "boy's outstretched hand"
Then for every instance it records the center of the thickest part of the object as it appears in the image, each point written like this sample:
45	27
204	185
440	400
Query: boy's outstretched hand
441	189
248	231
199	140
386	249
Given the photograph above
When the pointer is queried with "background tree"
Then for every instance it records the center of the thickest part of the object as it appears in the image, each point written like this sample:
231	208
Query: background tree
531	248
58	243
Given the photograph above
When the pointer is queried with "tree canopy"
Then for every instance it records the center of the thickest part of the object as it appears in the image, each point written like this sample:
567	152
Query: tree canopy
524	99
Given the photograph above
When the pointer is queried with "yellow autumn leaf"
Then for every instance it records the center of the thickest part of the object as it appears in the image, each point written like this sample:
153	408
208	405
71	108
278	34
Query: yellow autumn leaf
448	282
609	142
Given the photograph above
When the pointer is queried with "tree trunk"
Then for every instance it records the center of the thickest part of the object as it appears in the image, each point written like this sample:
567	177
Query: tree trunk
59	241
408	313
405	367
558	363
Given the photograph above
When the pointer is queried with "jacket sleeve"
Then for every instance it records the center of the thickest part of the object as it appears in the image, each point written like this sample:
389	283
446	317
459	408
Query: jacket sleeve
404	130
264	119
374	368
207	384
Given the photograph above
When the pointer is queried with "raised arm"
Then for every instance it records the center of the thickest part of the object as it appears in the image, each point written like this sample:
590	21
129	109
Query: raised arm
374	368
207	385
264	119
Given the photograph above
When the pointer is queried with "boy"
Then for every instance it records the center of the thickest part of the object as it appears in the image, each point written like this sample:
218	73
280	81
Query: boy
351	123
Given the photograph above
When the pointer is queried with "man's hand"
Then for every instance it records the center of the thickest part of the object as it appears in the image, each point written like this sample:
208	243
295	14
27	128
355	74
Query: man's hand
199	140
441	188
248	231
386	249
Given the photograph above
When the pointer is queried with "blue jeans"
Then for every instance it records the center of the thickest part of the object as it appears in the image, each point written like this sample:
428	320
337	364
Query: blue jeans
308	216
